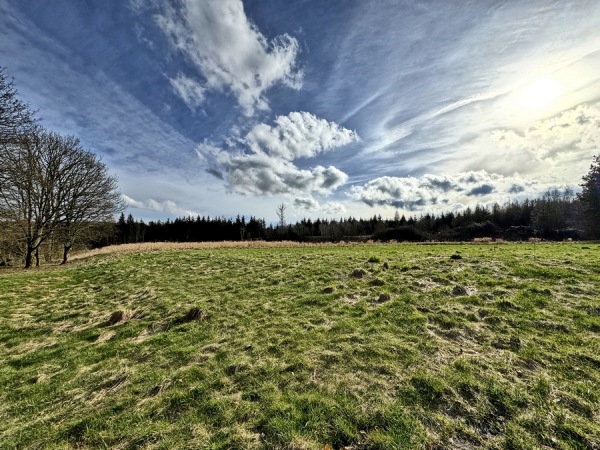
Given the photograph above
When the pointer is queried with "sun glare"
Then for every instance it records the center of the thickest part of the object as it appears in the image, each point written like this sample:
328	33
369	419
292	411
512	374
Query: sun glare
541	94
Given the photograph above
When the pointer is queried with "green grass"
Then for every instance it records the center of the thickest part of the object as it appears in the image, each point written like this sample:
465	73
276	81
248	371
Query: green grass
499	349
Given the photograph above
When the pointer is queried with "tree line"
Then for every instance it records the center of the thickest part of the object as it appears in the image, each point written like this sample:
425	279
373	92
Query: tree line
557	215
52	190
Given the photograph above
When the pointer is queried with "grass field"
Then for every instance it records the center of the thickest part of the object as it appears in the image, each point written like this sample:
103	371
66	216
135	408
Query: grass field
356	347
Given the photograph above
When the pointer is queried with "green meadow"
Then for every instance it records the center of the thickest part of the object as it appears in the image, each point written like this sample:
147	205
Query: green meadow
478	346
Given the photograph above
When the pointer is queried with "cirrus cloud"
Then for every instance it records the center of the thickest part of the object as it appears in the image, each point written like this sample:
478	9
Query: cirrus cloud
190	91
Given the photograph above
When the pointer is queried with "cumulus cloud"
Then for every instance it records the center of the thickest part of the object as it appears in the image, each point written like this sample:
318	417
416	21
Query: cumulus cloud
166	206
312	205
262	162
432	190
333	208
575	131
229	51
307	203
484	189
299	134
260	174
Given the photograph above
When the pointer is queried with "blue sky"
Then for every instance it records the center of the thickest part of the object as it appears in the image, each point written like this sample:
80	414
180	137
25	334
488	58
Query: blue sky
335	108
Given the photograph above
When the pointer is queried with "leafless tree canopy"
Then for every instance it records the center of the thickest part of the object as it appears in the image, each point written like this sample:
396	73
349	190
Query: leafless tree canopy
87	195
16	119
50	185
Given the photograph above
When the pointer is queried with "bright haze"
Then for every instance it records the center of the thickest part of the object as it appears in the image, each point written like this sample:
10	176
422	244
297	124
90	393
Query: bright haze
335	108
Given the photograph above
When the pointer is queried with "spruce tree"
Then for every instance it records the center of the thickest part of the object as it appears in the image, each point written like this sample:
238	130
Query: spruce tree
590	200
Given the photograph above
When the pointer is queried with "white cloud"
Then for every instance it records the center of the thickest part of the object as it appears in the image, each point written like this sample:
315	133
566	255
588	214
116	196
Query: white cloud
313	206
265	163
165	206
333	208
439	191
299	134
132	202
191	92
306	203
574	131
229	51
558	148
260	174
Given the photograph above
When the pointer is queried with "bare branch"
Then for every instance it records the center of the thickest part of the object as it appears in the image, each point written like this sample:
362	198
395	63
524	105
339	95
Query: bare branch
16	118
50	185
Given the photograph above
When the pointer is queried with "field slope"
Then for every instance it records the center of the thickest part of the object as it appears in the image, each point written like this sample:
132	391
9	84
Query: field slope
357	347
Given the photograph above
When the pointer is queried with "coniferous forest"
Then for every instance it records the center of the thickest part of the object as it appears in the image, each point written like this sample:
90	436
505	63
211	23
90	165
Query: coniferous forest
555	216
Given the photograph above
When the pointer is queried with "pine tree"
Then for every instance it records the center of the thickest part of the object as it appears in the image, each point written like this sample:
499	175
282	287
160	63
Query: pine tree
122	229
590	200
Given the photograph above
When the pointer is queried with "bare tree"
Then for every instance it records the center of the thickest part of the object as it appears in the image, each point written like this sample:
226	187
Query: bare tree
49	183
26	181
16	118
86	194
281	214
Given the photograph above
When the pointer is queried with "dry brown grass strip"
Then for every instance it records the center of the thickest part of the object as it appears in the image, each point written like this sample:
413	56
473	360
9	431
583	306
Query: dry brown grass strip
166	246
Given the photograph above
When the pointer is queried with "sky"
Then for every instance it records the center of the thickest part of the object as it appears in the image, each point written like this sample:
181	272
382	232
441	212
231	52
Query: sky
334	108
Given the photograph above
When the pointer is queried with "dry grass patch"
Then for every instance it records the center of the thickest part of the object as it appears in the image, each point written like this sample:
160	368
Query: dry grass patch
169	246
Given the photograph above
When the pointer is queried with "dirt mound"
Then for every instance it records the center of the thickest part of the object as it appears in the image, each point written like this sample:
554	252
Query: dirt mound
358	273
383	298
192	315
119	316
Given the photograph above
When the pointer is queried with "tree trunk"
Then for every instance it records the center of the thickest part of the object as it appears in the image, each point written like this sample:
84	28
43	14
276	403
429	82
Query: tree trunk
37	257
28	257
66	249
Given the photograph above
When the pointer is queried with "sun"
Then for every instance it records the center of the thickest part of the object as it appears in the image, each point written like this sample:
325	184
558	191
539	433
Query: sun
541	94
